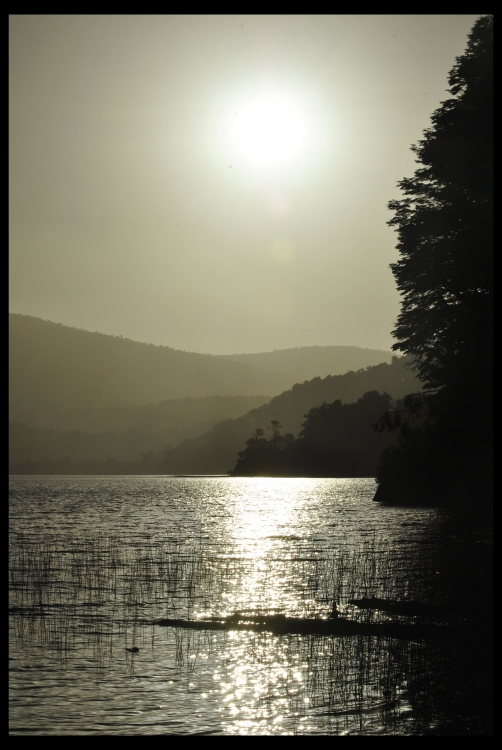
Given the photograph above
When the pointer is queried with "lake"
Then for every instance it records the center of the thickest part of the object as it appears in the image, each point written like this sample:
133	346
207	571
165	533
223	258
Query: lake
94	560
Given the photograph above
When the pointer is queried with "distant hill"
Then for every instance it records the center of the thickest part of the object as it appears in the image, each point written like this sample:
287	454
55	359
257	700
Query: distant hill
123	433
55	368
215	452
308	362
180	417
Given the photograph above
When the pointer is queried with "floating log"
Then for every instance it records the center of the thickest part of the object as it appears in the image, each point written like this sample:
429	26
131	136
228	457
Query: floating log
280	624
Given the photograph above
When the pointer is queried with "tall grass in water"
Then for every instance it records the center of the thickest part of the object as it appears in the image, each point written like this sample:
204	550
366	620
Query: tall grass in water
103	593
83	590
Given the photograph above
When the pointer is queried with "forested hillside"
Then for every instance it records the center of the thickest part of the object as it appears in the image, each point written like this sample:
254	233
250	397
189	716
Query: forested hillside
336	440
215	452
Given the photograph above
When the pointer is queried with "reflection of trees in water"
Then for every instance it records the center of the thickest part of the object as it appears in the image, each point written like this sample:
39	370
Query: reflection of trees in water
102	594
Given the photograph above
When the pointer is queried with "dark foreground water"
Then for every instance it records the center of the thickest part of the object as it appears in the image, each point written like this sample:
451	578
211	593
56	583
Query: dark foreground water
94	559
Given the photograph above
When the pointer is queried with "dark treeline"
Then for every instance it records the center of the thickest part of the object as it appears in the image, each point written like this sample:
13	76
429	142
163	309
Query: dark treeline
336	440
216	451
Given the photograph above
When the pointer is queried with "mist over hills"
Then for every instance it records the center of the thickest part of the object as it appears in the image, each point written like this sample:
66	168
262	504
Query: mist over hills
55	369
86	398
178	416
212	452
123	433
308	362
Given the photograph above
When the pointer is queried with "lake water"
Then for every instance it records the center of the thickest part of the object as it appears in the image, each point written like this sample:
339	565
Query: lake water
93	560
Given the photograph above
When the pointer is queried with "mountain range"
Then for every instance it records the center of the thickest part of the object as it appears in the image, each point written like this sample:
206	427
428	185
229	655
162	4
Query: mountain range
55	370
215	451
85	397
51	432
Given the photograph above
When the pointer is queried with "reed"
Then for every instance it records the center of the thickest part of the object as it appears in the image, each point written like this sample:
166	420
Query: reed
104	593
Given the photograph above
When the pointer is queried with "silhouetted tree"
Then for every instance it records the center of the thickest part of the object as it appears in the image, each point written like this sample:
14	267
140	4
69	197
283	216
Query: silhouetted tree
336	440
445	276
445	227
264	457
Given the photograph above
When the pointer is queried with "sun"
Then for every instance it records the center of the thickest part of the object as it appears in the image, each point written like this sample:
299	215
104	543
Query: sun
267	130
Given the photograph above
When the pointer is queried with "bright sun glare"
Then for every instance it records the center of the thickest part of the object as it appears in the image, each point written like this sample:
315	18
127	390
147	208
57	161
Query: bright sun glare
267	130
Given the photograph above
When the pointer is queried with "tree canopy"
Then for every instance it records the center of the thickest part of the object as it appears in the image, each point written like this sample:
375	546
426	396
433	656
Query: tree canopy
445	276
444	227
336	440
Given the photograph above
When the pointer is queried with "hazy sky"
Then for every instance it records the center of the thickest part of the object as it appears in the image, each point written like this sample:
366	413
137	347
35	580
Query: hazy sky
217	183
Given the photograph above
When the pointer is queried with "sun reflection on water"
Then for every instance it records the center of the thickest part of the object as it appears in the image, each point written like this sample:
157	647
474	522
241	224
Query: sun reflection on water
263	675
270	510
266	529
